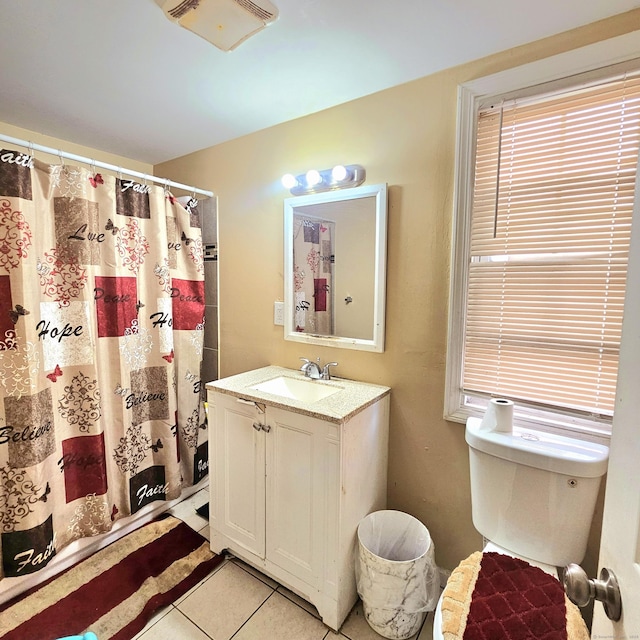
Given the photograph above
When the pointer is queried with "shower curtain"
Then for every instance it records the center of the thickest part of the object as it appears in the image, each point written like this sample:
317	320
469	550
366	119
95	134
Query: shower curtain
313	268
101	338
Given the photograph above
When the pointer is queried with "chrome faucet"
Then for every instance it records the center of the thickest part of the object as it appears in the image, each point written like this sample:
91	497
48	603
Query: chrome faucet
312	369
325	375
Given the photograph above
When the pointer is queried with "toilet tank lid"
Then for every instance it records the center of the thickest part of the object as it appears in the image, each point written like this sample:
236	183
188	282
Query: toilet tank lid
547	451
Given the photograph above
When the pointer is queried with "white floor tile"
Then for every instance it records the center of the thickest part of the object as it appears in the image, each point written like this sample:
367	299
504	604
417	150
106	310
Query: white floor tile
301	602
224	602
160	613
186	510
174	625
205	532
280	618
186	595
257	574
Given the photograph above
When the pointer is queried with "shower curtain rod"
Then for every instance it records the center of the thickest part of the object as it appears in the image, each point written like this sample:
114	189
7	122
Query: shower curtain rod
102	165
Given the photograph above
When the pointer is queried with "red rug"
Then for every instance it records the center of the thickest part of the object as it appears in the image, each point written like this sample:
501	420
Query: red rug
515	600
115	591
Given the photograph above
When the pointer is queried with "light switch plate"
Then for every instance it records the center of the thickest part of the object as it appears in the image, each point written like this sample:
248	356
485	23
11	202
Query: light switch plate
278	313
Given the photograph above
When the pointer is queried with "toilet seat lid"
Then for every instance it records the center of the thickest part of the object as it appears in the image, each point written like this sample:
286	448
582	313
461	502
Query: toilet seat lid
495	595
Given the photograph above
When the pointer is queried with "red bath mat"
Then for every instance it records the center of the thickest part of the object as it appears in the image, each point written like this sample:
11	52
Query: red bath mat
115	591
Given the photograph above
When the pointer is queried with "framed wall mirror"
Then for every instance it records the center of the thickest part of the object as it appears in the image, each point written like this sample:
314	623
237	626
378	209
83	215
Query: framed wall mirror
335	253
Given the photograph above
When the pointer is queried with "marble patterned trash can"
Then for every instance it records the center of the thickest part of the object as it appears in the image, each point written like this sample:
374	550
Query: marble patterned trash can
396	574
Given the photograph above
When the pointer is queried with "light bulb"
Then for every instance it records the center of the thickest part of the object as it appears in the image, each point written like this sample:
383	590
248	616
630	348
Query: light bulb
313	177
289	181
339	173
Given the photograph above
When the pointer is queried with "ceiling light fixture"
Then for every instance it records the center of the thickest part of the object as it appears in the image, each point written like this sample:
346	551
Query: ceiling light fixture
314	181
223	23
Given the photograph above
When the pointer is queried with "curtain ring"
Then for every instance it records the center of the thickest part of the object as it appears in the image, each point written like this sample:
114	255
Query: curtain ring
31	149
167	192
119	173
61	158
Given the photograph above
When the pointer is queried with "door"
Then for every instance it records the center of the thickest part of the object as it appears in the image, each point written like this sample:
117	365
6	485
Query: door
620	546
239	468
296	493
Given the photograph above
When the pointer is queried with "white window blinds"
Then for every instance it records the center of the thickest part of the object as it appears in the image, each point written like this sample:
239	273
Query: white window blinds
551	219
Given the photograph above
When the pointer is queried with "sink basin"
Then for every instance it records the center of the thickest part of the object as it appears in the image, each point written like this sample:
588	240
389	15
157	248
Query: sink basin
297	389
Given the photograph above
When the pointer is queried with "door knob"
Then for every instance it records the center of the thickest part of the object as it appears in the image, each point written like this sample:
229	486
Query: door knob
581	590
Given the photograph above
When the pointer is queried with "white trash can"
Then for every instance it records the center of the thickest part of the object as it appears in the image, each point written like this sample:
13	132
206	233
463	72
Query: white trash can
396	573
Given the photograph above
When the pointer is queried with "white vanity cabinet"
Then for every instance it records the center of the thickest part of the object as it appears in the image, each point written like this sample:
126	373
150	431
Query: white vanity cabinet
288	489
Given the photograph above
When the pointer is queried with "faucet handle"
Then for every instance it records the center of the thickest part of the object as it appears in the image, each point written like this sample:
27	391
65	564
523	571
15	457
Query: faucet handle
326	375
311	369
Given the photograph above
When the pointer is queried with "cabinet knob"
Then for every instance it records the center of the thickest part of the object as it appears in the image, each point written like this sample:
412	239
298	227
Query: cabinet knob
257	426
266	428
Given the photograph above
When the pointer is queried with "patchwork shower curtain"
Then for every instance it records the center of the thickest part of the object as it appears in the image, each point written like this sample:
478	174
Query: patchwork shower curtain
101	338
313	267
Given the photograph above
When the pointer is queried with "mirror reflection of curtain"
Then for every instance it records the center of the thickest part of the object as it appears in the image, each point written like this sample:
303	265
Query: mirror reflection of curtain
313	260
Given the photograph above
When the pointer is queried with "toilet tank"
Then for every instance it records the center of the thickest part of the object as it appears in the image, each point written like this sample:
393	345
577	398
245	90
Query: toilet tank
534	493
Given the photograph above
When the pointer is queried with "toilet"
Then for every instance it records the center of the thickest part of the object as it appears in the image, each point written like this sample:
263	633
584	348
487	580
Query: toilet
533	496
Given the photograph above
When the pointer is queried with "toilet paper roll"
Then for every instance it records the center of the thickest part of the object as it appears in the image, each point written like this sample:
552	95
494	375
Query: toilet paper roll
499	416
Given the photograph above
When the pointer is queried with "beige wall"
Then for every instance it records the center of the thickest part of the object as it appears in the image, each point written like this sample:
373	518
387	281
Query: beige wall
404	136
70	147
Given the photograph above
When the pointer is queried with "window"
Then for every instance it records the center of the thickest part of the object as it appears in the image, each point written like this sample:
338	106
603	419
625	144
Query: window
541	253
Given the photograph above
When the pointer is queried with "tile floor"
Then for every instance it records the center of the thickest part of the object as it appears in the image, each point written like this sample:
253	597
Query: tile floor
236	602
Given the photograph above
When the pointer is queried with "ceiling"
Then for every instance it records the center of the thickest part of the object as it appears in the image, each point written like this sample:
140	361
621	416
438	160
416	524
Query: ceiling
116	75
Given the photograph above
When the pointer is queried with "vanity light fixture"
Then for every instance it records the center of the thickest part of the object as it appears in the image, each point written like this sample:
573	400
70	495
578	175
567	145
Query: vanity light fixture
313	178
314	181
289	181
339	172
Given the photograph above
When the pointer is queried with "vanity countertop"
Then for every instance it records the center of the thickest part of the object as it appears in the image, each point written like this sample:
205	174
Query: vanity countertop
352	397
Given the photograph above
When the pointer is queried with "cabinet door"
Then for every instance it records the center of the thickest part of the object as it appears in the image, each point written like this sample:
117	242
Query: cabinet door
296	501
239	468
